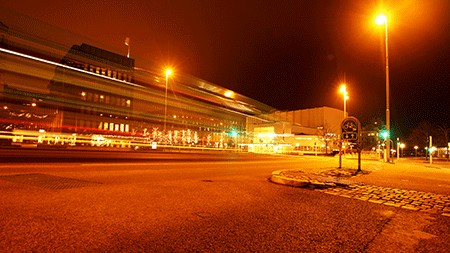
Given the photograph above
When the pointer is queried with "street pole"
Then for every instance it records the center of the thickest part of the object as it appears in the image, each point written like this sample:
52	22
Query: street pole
388	116
168	72
380	20
430	149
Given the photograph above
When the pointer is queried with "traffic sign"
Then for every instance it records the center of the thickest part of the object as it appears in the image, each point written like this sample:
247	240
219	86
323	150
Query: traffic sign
350	129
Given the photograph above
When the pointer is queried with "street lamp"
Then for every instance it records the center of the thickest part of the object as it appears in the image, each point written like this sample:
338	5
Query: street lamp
168	72
344	93
381	19
416	148
402	146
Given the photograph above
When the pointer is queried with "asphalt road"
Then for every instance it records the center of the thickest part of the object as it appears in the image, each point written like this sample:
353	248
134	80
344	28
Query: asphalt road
94	202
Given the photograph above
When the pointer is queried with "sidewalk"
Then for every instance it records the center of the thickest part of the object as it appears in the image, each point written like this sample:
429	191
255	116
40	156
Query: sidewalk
407	183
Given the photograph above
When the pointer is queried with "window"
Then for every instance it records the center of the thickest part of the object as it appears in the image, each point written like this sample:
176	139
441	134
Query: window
128	103
107	99
95	97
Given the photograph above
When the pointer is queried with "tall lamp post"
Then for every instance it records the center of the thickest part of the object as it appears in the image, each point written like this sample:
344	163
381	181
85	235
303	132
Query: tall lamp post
168	72
344	92
381	19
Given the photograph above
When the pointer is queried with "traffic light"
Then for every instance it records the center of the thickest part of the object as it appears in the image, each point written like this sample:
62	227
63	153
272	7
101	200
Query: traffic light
384	134
234	133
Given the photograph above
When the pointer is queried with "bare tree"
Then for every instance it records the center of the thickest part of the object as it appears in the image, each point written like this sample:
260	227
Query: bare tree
326	135
420	134
444	130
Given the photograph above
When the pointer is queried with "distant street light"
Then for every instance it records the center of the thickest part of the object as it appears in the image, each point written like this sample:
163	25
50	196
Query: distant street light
344	93
168	72
381	19
416	148
402	146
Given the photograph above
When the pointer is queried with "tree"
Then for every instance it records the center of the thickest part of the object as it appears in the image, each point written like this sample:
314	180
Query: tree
420	135
444	131
326	135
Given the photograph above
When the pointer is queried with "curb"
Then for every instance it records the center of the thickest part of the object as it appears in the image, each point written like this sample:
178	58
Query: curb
305	180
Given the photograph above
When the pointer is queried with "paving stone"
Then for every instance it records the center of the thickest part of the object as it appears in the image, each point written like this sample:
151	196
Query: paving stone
411	207
407	199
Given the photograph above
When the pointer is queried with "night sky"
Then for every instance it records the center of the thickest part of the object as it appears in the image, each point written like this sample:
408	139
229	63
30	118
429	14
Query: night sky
288	54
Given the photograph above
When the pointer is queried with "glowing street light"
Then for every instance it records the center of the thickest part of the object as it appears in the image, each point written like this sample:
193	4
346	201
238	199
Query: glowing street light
416	148
402	146
168	72
228	94
344	93
381	19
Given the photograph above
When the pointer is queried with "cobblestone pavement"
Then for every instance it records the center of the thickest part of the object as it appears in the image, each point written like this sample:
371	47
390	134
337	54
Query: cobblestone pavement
336	182
407	199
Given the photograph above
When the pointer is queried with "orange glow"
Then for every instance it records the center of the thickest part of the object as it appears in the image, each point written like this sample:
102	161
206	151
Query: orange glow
381	19
168	72
228	93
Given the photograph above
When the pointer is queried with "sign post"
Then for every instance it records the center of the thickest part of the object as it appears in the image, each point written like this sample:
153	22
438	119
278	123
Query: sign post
351	132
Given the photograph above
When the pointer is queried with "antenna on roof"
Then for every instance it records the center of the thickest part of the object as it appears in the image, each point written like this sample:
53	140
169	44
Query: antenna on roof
127	42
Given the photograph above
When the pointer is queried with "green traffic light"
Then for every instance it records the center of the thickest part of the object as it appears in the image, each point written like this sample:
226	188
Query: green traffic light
384	134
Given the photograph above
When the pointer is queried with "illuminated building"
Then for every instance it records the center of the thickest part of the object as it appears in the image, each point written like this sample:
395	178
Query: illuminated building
313	130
